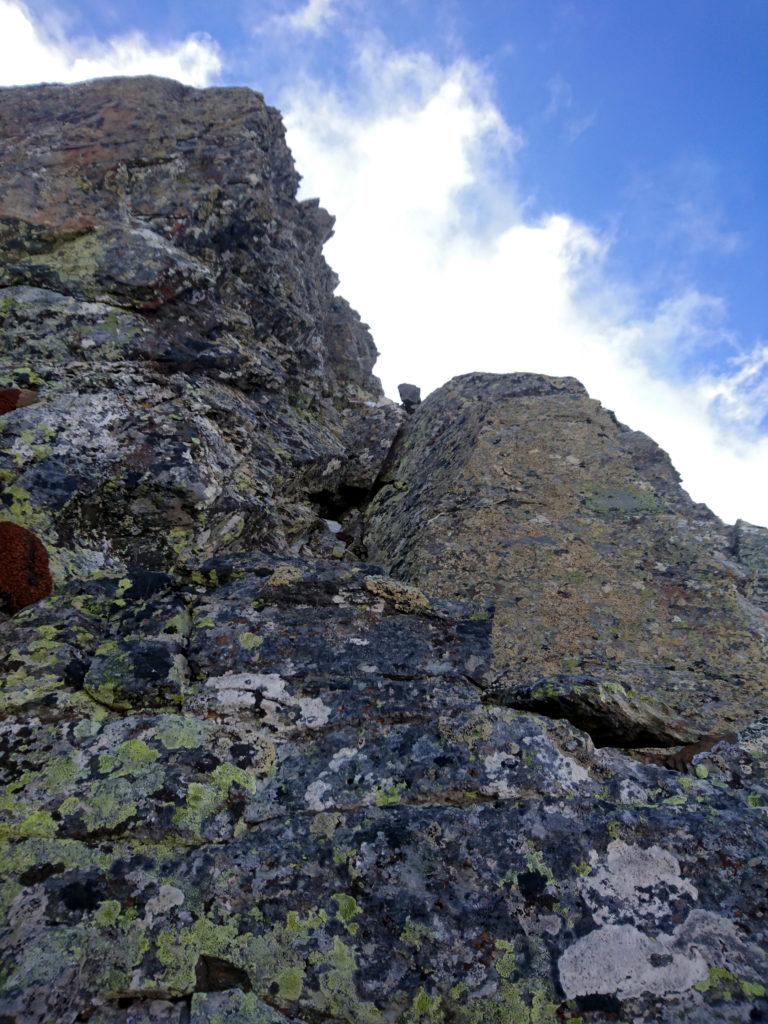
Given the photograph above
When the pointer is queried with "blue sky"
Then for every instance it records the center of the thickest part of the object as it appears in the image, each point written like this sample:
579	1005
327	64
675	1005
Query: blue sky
571	186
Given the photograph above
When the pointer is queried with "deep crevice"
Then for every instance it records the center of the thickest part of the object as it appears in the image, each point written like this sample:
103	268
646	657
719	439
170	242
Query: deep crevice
681	759
347	499
212	974
126	1002
339	503
673	745
604	732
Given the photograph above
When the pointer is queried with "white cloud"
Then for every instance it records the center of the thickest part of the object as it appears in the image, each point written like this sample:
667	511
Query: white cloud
454	275
439	253
682	204
561	106
703	229
28	55
314	16
560	97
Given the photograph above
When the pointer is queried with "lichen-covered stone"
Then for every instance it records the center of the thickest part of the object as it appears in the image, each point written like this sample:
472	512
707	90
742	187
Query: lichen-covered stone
607	580
250	776
335	818
161	284
751	550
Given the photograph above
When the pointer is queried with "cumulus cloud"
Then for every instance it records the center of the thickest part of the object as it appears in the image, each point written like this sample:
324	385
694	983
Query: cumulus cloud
442	257
28	55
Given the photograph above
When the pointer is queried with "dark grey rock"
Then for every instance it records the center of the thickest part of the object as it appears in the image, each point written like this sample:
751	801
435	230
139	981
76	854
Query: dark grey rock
410	396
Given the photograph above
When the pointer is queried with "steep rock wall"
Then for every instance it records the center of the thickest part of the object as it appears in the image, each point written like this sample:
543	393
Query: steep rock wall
165	295
617	600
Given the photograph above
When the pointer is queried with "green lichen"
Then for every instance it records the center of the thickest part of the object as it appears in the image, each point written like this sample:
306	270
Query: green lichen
414	933
475	729
68	806
130	758
348	910
675	801
110	802
123	586
87	728
7	305
425	1009
201	802
105	686
21	376
277	957
20	509
622	501
178	951
233	1007
180	540
337	994
73	260
506	964
325	824
180	624
101	963
290	982
39	823
511	1004
205	800
721	984
205	622
285	576
58	774
531	1003
385	796
107	913
177	732
402	596
534	860
226	775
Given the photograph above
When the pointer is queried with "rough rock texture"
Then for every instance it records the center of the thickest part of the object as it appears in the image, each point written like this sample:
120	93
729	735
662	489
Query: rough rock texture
166	296
617	600
334	716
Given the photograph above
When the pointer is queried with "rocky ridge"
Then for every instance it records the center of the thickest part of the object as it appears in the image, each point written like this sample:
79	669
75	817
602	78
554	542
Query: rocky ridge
315	707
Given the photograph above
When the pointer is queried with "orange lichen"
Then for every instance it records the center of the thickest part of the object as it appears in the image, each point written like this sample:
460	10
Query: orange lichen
9	399
24	573
15	398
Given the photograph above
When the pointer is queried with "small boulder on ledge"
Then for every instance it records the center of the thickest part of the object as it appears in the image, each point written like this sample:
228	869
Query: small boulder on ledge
410	396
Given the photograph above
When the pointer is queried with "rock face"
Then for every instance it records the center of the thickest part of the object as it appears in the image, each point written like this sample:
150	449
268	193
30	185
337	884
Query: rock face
618	602
166	296
335	714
